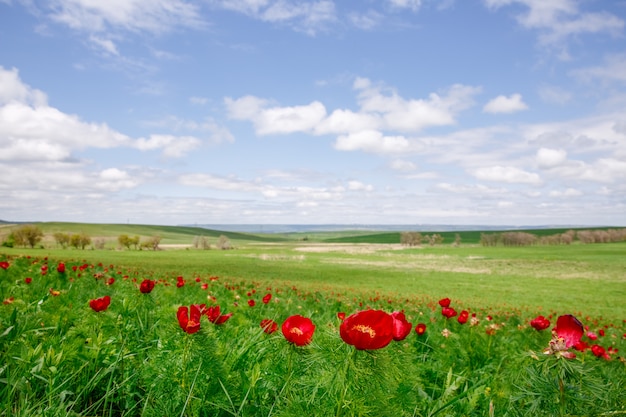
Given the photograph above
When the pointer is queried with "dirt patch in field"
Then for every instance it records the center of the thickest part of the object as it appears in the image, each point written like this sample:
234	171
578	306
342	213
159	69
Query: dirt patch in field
349	248
424	265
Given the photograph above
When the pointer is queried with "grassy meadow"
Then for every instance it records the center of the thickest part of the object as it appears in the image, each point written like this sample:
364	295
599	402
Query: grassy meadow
135	359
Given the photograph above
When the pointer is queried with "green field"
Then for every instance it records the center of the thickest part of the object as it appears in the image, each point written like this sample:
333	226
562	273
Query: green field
588	279
61	356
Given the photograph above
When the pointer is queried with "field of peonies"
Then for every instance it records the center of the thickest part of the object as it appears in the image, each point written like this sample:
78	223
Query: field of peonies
81	339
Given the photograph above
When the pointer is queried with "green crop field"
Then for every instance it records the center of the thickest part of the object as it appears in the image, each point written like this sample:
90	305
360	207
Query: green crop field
138	357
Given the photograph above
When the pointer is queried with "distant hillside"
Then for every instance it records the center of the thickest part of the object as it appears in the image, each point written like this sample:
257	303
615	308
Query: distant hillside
168	234
467	237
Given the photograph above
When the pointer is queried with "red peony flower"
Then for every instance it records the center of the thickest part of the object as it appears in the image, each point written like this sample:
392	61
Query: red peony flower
401	327
599	352
146	286
341	316
570	329
368	329
448	312
4	265
267	298
189	318
444	302
269	326
215	316
28	280
100	304
463	317
565	335
420	329
61	268
298	330
592	336
251	303
540	323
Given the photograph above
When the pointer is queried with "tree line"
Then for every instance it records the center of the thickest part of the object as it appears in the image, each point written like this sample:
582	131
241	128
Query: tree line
566	238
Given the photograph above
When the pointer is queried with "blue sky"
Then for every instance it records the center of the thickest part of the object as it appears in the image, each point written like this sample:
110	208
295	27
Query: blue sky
492	112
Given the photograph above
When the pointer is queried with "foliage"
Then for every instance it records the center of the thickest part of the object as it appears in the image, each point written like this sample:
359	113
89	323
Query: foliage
27	235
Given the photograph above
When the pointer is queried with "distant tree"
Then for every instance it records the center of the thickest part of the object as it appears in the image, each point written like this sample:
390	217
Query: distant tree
201	242
152	243
99	243
62	239
457	240
411	238
223	243
126	241
80	240
434	239
27	235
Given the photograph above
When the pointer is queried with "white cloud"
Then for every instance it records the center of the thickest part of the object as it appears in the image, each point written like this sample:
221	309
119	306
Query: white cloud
276	120
558	20
153	16
569	192
172	146
304	16
507	174
503	104
414	114
365	21
13	90
105	44
371	141
470	189
344	121
359	186
549	158
613	70
554	94
413	5
402	165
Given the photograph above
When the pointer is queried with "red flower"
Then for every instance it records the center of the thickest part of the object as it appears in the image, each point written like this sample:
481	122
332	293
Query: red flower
61	268
401	327
8	300
267	298
4	265
569	328
444	302
599	352
146	286
298	330
540	323
251	303
368	329
341	316
28	280
269	326
420	329
448	312
463	317
592	335
215	316
565	335
189	318
100	304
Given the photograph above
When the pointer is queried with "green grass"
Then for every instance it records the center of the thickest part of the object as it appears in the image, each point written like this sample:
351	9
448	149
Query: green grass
587	279
59	358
